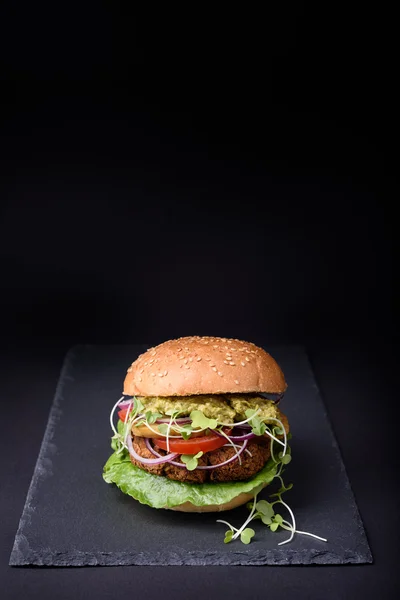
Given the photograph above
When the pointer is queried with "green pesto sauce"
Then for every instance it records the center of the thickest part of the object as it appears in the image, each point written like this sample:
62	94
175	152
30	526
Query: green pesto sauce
225	408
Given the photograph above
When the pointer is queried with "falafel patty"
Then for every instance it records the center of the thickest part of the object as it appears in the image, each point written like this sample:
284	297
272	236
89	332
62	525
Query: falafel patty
252	461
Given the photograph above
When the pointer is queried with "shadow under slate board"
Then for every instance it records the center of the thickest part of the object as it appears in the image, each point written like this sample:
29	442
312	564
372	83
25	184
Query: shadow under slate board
73	518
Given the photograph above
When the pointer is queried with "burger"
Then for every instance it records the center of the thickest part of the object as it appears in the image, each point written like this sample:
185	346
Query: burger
199	425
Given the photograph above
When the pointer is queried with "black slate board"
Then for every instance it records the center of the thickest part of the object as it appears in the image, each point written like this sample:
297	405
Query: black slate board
73	518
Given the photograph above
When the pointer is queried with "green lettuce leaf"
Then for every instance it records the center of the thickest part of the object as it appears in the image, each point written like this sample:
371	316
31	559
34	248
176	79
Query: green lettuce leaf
161	492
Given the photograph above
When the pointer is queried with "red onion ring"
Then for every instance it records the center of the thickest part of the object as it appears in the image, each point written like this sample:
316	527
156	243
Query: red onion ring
149	461
241	438
237	438
150	447
125	403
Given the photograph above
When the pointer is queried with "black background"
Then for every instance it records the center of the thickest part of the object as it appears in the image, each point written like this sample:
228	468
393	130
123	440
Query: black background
195	170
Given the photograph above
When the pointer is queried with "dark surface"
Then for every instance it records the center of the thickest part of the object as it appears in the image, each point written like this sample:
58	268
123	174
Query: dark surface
225	173
72	518
350	379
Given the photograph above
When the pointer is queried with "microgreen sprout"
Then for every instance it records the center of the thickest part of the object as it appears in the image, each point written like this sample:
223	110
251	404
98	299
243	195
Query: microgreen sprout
152	417
173	414
190	460
246	535
237	532
228	536
282	431
112	415
232	444
265	511
132	416
241	422
162	428
200	421
258	427
186	431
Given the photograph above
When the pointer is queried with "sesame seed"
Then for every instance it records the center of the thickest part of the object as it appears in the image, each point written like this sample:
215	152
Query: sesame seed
242	363
141	370
198	358
247	358
219	373
179	349
212	364
129	370
208	358
232	363
185	361
226	362
140	379
161	374
205	341
187	367
165	372
153	374
236	381
190	359
214	369
145	364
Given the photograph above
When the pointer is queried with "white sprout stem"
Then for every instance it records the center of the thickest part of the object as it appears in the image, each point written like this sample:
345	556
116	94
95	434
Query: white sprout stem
159	432
284	443
240	422
289	528
312	535
112	415
176	426
168	430
231	527
269	434
284	434
237	446
293	526
278	474
271	448
129	428
249	518
231	444
180	428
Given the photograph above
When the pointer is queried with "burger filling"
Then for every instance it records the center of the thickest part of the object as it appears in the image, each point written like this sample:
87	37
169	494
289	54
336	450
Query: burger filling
224	408
205	438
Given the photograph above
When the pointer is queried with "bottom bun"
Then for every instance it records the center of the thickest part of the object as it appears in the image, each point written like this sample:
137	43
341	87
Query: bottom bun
234	503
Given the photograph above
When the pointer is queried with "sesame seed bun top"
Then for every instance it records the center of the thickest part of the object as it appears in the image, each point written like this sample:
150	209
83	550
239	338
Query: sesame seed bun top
204	365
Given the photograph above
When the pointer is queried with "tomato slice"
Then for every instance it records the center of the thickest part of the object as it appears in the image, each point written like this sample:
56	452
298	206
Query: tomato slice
122	414
194	445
